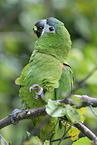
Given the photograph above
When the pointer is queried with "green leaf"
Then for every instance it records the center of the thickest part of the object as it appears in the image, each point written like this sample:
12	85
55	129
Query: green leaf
82	112
46	142
72	114
73	132
34	140
55	109
83	140
3	141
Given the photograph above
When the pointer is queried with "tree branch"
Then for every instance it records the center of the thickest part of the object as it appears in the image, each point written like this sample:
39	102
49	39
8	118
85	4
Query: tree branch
83	99
25	114
33	113
36	112
86	131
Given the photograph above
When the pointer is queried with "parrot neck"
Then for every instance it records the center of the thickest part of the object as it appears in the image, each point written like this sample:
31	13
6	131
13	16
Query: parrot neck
55	45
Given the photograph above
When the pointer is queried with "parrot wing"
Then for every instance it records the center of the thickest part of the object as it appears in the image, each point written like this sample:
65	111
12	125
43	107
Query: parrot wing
65	82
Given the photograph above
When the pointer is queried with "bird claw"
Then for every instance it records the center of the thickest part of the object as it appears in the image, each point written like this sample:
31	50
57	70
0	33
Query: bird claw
39	89
13	116
33	87
36	96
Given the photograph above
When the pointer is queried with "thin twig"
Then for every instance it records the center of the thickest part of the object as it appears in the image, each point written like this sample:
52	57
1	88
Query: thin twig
80	83
58	139
62	138
87	76
93	110
32	113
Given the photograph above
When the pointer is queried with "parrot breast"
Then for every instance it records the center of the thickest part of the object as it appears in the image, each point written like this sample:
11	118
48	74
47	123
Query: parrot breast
44	70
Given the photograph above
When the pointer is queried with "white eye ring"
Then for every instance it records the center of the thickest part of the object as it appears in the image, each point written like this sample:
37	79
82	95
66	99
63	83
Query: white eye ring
48	29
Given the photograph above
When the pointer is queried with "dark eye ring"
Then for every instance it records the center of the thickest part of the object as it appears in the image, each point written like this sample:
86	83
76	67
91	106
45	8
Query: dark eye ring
51	28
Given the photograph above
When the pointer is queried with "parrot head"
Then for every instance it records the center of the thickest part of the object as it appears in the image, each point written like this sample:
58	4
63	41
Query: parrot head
49	25
54	39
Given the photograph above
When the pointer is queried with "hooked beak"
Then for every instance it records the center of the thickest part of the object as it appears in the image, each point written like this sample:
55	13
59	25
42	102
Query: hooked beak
38	27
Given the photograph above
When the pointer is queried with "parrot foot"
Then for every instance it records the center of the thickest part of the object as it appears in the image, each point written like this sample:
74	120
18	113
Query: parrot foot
39	89
13	116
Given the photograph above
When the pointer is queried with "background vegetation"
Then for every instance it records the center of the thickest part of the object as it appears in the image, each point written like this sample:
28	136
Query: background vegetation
17	40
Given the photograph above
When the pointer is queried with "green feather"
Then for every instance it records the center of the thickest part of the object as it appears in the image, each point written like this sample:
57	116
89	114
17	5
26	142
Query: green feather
45	69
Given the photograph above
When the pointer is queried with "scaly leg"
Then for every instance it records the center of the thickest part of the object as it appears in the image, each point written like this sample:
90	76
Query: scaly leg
13	116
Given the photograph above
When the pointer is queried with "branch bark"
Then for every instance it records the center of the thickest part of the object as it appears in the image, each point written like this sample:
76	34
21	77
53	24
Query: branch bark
86	131
83	100
36	112
25	114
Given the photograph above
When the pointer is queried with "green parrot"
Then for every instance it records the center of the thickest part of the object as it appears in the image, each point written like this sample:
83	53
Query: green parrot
47	74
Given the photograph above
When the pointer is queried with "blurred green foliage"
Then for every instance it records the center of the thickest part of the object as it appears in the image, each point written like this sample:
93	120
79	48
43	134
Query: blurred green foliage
17	19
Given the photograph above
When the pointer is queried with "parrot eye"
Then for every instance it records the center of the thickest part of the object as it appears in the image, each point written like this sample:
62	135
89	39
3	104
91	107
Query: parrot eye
51	28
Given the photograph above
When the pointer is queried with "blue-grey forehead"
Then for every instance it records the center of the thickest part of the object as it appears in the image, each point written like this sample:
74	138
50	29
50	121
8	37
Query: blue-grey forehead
52	21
